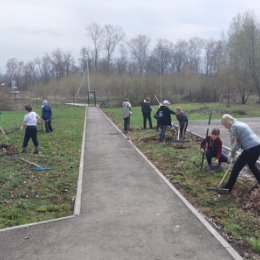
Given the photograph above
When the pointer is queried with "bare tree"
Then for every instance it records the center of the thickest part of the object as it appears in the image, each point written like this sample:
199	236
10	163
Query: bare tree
195	46
38	68
69	63
139	50
178	56
214	51
12	67
112	36
122	60
58	63
244	49
84	58
96	33
47	68
161	54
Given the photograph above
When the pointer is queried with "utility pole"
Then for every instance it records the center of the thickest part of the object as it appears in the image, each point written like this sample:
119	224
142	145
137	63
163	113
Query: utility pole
161	91
88	76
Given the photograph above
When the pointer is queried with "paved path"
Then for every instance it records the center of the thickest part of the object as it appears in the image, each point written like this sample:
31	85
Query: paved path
128	212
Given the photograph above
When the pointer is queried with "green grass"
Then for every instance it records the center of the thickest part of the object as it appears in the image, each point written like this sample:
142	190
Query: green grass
29	196
182	167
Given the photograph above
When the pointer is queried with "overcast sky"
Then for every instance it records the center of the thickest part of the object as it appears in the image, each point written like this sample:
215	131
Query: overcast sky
31	28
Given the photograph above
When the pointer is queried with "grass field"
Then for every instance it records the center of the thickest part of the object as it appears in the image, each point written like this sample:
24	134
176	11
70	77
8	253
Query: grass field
236	216
30	196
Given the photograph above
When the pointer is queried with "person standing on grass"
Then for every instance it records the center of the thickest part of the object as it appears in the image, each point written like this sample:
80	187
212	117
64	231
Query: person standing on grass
30	125
212	147
183	122
126	112
163	116
146	111
241	136
47	116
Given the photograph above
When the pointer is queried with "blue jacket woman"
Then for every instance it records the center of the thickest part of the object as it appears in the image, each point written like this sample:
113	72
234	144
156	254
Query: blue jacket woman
146	111
47	116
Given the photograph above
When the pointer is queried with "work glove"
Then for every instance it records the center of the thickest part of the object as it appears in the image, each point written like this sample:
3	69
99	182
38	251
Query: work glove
202	150
217	161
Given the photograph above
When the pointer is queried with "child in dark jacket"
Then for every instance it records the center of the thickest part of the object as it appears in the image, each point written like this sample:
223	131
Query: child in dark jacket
212	147
183	122
146	111
163	116
47	116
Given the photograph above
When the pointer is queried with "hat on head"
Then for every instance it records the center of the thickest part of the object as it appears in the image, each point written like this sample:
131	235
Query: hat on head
166	103
45	102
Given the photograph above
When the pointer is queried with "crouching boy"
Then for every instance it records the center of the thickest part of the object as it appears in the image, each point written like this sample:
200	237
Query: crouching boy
212	147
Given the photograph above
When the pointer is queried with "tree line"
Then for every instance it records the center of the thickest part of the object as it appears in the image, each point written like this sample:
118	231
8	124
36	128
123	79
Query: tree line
188	70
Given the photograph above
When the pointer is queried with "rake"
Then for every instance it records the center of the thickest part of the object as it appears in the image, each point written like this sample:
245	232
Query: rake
207	133
218	188
37	168
3	132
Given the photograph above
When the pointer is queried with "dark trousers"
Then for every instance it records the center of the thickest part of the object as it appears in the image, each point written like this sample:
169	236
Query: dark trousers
210	154
126	123
248	157
183	128
147	116
30	132
48	126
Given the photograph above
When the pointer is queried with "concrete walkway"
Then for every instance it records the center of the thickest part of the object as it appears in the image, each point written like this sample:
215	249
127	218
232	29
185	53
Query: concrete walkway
128	212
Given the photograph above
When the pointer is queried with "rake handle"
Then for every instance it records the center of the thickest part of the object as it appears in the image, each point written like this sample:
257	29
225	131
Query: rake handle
224	176
32	163
207	133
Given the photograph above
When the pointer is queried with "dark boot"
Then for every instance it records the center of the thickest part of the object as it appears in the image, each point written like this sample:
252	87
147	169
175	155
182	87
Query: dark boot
36	150
23	150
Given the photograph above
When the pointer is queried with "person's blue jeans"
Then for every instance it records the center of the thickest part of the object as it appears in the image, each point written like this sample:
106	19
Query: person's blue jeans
210	154
162	132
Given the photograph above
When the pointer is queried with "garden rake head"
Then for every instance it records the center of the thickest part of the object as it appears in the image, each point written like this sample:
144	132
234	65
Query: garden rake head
37	166
218	188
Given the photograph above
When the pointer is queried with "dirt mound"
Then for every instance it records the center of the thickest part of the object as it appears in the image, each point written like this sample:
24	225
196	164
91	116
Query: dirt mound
249	199
8	149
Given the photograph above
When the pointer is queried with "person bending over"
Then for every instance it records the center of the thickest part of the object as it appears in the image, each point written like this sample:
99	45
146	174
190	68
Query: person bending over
163	116
183	121
241	136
